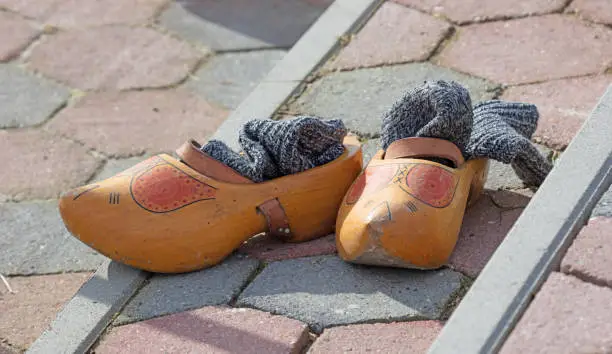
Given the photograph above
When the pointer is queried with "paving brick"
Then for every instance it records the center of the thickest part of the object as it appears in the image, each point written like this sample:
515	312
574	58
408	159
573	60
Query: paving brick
229	78
25	314
32	9
361	97
566	316
406	337
564	105
589	256
167	294
594	10
35	241
42	165
511	199
15	34
484	227
26	99
114	57
6	349
477	10
130	123
267	248
502	176
208	330
86	13
394	34
521	51
325	291
604	206
370	148
242	24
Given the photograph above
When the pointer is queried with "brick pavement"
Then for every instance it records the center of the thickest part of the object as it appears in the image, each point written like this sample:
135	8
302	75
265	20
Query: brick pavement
89	88
535	51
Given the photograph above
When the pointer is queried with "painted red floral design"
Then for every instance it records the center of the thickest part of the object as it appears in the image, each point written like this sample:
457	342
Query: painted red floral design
432	185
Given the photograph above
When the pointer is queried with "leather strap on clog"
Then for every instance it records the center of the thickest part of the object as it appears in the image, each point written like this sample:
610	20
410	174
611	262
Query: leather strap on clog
423	148
195	158
190	154
278	224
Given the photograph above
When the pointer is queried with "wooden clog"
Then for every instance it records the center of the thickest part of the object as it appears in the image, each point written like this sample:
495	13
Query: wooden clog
167	215
405	210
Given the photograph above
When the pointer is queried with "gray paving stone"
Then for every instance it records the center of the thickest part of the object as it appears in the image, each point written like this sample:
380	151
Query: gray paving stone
229	78
326	291
166	294
35	241
26	99
242	24
502	176
361	97
114	166
604	206
370	148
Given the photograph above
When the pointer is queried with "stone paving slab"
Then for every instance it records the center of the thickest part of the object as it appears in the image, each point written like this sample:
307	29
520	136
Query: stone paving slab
243	24
475	10
114	166
502	176
5	349
361	97
369	149
25	314
589	256
604	206
134	122
399	337
229	78
114	58
167	294
267	248
566	316
395	34
26	99
44	165
16	34
527	47
35	241
208	330
564	105
325	291
593	10
484	227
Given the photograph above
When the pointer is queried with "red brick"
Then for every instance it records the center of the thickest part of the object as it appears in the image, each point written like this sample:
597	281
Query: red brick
83	13
594	10
15	34
114	57
394	34
25	314
566	316
529	50
564	105
589	256
269	249
42	165
209	330
406	337
129	123
5	349
478	10
484	227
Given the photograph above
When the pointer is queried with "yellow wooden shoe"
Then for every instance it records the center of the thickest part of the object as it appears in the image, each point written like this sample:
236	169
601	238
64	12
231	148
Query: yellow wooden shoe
406	211
167	215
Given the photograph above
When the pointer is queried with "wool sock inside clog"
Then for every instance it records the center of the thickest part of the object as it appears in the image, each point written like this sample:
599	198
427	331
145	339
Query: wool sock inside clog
273	149
493	129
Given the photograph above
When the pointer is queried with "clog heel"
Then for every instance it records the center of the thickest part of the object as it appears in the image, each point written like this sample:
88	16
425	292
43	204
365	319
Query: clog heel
405	209
172	215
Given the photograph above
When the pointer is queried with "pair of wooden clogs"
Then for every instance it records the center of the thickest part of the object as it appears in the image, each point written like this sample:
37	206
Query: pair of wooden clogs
172	215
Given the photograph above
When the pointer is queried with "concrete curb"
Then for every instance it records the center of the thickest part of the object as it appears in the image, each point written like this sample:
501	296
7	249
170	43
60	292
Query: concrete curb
83	319
79	324
533	247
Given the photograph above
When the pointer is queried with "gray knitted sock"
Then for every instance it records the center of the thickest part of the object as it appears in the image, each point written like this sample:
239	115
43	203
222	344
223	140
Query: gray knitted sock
277	148
493	129
437	109
502	131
